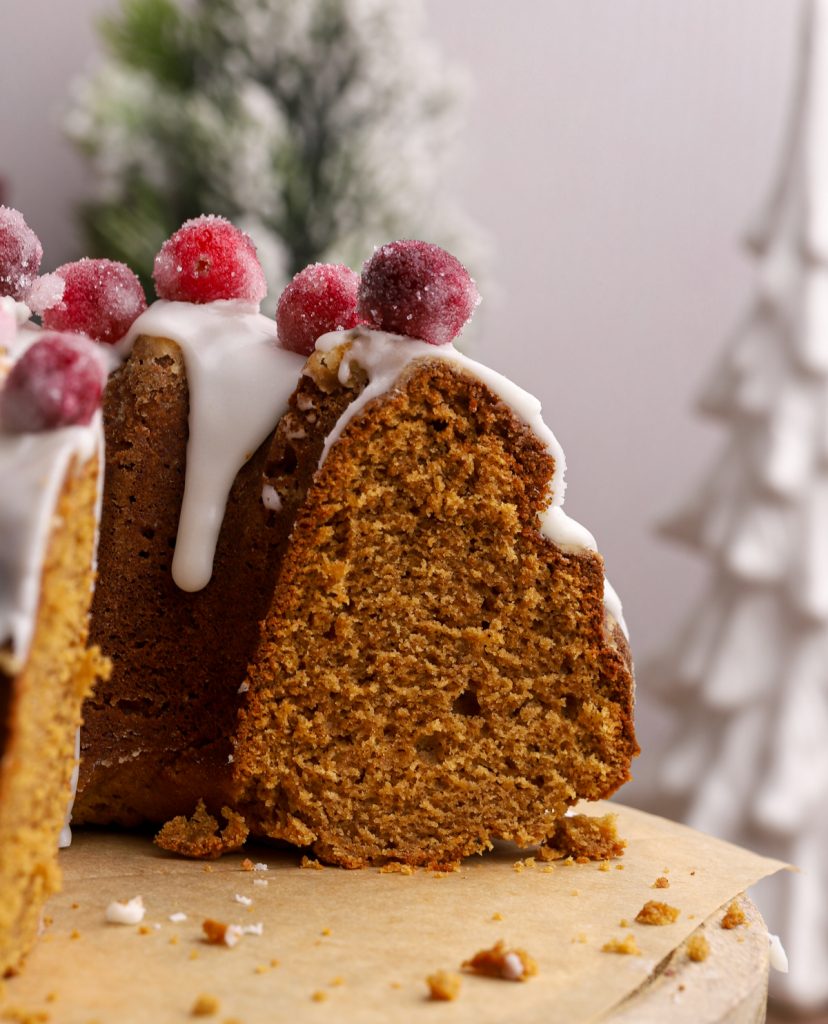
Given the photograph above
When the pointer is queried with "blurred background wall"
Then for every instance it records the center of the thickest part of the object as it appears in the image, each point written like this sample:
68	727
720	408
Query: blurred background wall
616	151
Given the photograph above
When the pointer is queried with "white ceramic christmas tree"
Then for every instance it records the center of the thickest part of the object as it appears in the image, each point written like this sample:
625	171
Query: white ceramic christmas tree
748	676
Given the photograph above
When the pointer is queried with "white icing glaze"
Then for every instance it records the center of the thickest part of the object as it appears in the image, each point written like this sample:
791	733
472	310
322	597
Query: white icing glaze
37	463
239	382
384	357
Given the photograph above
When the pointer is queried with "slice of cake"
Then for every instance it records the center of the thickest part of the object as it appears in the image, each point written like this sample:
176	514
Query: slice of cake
439	666
50	462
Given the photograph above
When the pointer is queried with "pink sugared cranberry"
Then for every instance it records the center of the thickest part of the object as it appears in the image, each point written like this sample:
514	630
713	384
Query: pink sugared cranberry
416	289
20	254
321	298
57	382
208	258
100	298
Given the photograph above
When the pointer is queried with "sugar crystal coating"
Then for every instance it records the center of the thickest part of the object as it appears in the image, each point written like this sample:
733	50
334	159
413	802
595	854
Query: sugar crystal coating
320	298
209	258
57	382
46	291
417	289
101	298
20	254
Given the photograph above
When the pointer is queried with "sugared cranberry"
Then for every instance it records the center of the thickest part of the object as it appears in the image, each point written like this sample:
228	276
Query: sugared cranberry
100	298
57	382
20	254
208	258
321	298
417	289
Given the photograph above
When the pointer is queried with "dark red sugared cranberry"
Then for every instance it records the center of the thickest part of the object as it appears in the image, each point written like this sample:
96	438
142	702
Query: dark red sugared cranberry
416	289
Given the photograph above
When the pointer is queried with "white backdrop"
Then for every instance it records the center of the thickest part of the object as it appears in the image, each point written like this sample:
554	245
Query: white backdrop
616	150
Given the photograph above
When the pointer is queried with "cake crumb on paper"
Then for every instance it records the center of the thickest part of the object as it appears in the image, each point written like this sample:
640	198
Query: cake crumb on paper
661	883
204	1006
734	916
698	948
656	913
499	962
200	837
626	946
584	838
443	986
309	862
217	933
394	867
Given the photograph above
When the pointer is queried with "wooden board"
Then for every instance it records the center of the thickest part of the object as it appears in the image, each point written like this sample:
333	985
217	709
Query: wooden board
357	946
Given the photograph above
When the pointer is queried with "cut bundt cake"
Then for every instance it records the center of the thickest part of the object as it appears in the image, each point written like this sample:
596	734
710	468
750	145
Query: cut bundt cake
50	461
437	668
342	601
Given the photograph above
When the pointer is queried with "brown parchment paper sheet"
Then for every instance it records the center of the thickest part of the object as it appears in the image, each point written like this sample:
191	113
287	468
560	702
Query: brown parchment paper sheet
356	946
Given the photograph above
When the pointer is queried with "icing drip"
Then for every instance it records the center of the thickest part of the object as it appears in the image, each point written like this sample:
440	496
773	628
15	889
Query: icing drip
239	382
37	463
384	357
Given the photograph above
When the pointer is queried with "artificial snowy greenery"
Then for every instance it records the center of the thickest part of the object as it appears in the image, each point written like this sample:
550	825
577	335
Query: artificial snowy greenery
321	127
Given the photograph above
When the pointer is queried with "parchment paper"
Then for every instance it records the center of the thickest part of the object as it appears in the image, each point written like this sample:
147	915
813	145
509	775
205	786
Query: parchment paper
356	946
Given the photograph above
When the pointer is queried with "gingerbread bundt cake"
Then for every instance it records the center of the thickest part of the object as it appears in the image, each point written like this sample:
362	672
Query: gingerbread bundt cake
431	664
343	604
50	461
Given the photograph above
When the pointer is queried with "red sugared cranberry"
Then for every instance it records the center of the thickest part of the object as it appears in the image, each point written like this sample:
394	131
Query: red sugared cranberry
208	258
101	299
57	382
321	298
20	254
417	289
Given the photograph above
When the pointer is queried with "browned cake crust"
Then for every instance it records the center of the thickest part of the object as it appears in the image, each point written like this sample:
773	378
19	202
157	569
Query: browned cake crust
40	709
433	673
157	735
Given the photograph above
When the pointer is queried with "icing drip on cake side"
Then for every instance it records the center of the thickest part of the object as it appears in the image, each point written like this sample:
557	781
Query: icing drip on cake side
37	463
239	383
384	357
